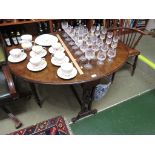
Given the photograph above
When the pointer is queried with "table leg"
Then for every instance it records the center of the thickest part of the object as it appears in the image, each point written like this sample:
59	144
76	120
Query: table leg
86	101
34	92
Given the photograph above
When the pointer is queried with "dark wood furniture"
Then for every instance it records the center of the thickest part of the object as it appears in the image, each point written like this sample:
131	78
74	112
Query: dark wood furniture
87	81
130	37
9	89
8	92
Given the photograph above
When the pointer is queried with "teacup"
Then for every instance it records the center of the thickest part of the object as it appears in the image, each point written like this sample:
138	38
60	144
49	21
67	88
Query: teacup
16	52
26	44
37	49
59	56
56	46
36	61
67	68
27	37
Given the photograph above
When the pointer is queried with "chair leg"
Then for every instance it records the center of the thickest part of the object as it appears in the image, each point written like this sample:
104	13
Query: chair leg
134	65
17	122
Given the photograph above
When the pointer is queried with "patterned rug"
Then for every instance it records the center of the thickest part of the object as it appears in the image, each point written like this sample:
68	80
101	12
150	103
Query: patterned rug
53	126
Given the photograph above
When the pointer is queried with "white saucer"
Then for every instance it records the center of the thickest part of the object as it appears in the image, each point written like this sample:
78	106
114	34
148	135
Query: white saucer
52	51
72	75
42	65
56	63
42	54
19	59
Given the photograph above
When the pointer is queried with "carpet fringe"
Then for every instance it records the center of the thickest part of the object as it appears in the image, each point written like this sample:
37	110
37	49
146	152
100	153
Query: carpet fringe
68	127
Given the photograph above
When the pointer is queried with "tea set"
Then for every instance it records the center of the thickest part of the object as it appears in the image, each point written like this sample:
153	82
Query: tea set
37	61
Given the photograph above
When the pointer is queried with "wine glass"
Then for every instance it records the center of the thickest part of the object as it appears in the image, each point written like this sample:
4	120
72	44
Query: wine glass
108	41
104	48
111	54
89	42
92	29
83	48
115	38
97	32
109	34
114	45
102	36
103	30
64	25
89	54
101	56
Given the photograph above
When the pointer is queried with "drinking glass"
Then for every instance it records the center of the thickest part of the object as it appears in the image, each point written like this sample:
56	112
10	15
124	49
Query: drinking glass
92	29
99	42
114	45
109	34
101	56
111	54
108	41
115	38
104	48
64	25
83	48
97	32
103	30
102	36
89	42
89	54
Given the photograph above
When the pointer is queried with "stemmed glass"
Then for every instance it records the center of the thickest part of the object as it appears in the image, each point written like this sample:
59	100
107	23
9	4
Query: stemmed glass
89	54
114	45
101	56
64	25
102	36
104	48
111	54
83	48
109	34
108	41
92	29
115	38
97	32
103	30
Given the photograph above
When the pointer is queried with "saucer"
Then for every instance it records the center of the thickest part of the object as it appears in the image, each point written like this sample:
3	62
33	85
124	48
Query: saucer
40	67
42	54
56	63
72	75
19	59
52	51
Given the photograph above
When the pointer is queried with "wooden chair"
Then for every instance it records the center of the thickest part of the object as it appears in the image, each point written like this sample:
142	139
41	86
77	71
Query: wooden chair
8	91
130	37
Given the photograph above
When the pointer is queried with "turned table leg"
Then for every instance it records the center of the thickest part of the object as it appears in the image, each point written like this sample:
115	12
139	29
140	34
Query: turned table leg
34	92
86	100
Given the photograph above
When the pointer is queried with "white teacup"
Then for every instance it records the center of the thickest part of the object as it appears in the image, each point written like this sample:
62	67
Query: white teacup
37	49
16	52
36	61
67	68
27	37
56	46
59	56
26	44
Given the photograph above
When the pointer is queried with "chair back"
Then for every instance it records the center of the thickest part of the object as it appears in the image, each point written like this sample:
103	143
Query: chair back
129	36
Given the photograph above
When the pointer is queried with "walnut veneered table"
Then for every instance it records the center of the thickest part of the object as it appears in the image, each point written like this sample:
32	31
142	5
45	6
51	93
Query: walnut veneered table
88	80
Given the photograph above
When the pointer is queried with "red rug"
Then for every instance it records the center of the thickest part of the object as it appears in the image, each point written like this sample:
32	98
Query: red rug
53	126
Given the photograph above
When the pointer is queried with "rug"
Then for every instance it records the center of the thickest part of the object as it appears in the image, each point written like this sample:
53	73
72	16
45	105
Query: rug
135	116
53	126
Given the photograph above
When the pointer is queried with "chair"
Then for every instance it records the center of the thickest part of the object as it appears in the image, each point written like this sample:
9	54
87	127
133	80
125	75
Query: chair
130	37
8	93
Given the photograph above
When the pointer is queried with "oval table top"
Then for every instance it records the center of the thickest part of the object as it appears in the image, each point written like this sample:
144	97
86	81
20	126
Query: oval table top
49	74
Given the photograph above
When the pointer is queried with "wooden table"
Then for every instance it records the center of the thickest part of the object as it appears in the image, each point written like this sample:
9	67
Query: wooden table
88	80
